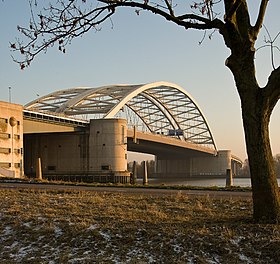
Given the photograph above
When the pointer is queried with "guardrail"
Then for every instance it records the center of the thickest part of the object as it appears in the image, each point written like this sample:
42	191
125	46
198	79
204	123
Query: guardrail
53	118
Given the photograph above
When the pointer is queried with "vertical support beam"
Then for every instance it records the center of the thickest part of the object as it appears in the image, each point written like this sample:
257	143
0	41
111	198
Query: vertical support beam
228	178
134	173
145	175
39	169
134	135
21	168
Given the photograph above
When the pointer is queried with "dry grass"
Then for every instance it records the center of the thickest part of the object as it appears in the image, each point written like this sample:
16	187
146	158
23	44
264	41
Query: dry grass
88	227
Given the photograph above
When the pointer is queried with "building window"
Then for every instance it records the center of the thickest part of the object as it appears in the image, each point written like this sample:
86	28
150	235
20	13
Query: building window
5	135
17	137
5	150
17	151
3	120
5	164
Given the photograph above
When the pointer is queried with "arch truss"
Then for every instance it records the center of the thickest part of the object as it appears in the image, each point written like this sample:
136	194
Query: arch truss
161	108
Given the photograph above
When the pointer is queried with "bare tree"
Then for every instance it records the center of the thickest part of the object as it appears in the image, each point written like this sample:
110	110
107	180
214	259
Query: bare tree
62	21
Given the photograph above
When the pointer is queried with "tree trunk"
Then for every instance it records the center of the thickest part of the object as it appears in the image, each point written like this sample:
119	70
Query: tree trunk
266	197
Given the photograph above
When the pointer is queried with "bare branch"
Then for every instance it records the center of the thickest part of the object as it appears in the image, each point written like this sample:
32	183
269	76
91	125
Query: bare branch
169	7
233	10
194	17
259	22
192	20
277	35
68	20
270	44
272	91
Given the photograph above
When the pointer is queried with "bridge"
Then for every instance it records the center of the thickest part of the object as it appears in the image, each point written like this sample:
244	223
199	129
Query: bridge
88	131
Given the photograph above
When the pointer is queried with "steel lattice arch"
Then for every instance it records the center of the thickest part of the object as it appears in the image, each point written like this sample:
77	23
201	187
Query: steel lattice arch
158	108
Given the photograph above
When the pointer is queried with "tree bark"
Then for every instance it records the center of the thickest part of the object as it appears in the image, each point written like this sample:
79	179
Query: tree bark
266	197
257	105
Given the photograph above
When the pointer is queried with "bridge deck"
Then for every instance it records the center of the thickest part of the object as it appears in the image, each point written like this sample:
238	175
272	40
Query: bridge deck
156	144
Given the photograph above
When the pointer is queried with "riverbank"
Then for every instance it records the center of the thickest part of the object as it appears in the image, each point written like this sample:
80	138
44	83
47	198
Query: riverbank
63	226
152	185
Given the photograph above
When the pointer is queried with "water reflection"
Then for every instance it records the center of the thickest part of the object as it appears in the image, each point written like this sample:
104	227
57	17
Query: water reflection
219	182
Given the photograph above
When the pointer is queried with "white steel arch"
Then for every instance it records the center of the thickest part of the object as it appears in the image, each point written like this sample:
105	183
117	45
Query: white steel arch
159	107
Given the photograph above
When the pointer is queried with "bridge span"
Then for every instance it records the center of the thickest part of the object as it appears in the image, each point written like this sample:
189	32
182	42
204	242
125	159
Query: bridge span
88	131
151	143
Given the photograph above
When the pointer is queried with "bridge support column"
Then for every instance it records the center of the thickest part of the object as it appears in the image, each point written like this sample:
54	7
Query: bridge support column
193	167
134	173
172	167
108	148
213	165
229	178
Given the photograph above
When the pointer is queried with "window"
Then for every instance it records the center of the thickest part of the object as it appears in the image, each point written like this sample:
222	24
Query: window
5	135
5	164
16	136
5	150
17	151
3	120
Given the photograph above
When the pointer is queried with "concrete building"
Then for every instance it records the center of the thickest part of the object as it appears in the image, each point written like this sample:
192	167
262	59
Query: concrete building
11	140
96	153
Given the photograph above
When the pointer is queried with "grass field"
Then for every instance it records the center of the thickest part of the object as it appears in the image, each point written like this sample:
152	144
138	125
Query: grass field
87	227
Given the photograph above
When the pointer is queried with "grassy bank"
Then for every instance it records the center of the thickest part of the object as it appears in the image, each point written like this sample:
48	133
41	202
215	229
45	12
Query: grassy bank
87	227
117	185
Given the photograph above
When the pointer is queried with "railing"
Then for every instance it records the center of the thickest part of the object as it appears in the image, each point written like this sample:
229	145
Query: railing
87	177
53	118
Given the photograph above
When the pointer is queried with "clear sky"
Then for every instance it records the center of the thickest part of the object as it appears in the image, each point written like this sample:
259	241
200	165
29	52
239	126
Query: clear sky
141	49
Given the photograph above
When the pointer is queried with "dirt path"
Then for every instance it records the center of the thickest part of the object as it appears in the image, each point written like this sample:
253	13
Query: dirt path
138	191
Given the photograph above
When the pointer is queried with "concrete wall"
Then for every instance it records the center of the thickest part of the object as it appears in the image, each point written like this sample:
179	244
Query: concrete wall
60	153
99	150
215	165
168	167
108	145
11	140
194	166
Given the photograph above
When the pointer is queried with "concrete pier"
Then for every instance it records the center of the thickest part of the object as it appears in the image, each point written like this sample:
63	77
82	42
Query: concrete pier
145	174
39	170
134	172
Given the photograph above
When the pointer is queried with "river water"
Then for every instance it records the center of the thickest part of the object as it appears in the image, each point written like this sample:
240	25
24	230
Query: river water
219	182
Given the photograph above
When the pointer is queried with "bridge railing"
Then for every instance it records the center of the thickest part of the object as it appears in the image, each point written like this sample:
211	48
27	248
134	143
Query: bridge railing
53	118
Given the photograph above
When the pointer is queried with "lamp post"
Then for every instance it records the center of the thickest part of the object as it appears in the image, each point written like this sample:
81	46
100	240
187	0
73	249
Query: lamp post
10	94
